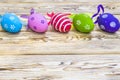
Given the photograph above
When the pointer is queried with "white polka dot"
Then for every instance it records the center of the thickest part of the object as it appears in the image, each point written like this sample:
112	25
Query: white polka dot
87	27
12	17
113	24
78	22
12	27
104	16
102	27
6	26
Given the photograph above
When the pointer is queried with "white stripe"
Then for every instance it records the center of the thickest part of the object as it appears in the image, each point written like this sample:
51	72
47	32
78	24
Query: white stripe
59	22
60	27
57	15
66	26
56	18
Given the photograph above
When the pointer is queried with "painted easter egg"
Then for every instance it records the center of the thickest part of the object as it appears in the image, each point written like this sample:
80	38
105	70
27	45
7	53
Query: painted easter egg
109	23
73	15
106	21
83	23
37	23
11	23
61	22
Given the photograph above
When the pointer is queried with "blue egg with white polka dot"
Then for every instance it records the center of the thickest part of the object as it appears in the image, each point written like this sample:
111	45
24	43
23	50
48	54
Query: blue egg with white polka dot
11	23
109	23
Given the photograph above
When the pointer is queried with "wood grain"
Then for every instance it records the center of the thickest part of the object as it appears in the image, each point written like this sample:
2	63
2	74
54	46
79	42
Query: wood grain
72	56
74	7
64	67
53	43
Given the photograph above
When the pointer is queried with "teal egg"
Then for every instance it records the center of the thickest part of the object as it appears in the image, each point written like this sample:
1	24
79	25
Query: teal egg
11	23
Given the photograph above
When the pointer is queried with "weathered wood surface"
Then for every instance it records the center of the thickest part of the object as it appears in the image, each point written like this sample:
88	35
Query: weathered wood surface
53	43
59	67
74	7
64	67
28	42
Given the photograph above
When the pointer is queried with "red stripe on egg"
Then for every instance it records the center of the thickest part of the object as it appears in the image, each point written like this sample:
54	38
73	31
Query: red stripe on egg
67	27
61	19
57	19
61	22
54	18
62	25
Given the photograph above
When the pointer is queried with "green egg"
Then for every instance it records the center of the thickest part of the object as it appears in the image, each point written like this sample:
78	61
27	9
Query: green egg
83	23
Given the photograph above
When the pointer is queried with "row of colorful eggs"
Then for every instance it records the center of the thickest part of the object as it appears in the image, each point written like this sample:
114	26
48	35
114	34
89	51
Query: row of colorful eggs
61	22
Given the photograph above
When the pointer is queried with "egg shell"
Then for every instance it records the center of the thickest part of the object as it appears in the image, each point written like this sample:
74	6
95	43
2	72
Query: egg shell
83	23
109	23
73	15
38	23
61	23
11	23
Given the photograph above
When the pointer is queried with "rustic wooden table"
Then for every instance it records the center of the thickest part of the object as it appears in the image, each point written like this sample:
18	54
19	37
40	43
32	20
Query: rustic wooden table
55	56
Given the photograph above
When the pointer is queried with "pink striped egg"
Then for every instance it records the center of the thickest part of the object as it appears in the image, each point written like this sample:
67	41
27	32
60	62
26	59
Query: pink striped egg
61	22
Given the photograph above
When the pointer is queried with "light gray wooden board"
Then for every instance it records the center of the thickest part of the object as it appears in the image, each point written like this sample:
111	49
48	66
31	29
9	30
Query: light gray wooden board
64	67
56	1
58	6
59	67
53	43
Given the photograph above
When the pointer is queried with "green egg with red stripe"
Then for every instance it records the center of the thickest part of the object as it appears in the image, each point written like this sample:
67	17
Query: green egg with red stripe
83	23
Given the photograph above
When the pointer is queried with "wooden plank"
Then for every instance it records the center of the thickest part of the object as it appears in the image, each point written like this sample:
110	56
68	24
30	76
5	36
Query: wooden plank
72	7
52	67
36	64
56	43
56	1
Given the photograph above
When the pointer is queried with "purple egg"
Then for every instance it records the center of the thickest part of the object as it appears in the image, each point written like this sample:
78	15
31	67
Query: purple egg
37	23
107	22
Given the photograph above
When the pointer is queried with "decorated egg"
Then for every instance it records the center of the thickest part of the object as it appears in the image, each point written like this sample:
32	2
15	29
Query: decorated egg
73	15
106	21
11	23
36	22
83	23
60	22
